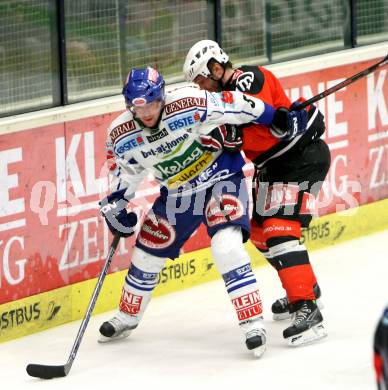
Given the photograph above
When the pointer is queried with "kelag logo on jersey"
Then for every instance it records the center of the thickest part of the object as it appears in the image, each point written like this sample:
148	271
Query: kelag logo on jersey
129	143
183	121
178	164
166	149
190	171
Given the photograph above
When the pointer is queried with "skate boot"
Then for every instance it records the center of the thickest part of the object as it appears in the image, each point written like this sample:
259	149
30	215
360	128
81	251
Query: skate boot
255	335
307	324
119	327
281	307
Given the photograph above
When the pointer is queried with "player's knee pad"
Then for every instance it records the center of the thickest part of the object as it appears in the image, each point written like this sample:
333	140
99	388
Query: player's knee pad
286	247
291	260
140	281
143	271
228	249
287	253
233	263
147	262
277	233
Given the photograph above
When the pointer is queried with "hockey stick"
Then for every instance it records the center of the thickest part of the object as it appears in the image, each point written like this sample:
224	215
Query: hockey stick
49	372
342	84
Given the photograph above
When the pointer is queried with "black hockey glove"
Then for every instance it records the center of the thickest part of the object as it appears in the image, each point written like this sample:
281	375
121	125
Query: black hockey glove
113	209
287	124
226	137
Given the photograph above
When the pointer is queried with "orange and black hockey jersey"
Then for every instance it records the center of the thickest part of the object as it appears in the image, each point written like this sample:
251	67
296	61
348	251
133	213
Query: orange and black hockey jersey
259	144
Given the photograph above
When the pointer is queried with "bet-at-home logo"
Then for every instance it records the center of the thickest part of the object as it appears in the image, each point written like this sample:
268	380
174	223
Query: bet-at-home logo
166	149
172	167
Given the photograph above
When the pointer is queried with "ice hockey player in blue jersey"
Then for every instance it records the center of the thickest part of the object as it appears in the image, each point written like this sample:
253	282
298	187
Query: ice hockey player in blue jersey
163	133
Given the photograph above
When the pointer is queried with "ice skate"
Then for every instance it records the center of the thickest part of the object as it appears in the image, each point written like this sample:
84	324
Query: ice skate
307	324
255	336
281	307
119	327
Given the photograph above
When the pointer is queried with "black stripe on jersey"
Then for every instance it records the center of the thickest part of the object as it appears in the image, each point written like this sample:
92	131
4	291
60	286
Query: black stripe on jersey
315	128
290	259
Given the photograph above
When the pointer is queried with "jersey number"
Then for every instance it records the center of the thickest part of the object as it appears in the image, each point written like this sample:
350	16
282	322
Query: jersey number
251	102
227	97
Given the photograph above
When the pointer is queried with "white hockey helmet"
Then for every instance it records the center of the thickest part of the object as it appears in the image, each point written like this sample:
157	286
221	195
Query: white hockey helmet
198	57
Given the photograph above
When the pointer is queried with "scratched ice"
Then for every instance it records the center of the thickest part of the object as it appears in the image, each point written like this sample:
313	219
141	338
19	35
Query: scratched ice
190	339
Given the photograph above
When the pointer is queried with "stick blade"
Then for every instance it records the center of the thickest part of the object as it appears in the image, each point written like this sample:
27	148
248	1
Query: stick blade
47	372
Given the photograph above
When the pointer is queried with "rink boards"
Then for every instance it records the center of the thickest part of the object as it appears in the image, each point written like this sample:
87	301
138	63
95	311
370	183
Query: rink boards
53	242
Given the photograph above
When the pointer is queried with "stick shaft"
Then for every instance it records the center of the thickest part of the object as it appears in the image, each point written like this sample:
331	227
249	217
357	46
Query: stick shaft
93	300
343	84
47	371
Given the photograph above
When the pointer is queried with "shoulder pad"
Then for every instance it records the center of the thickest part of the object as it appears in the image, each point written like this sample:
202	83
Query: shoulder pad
184	91
121	126
184	98
248	79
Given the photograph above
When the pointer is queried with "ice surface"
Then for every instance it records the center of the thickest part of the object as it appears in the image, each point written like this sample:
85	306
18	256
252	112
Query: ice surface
190	339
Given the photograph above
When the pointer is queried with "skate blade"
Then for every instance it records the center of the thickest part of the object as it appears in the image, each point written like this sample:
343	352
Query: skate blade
286	315
103	339
259	351
311	335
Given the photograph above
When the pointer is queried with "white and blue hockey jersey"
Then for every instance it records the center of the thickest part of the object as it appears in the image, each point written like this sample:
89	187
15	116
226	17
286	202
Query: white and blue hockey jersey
173	152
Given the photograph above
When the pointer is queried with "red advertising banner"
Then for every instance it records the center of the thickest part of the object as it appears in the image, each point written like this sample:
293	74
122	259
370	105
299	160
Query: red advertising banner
51	179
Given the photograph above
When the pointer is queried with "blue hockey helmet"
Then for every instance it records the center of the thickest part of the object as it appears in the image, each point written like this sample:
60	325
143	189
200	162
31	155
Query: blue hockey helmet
143	86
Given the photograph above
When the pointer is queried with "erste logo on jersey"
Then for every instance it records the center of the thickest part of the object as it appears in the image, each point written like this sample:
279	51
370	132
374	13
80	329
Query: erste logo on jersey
130	142
178	122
